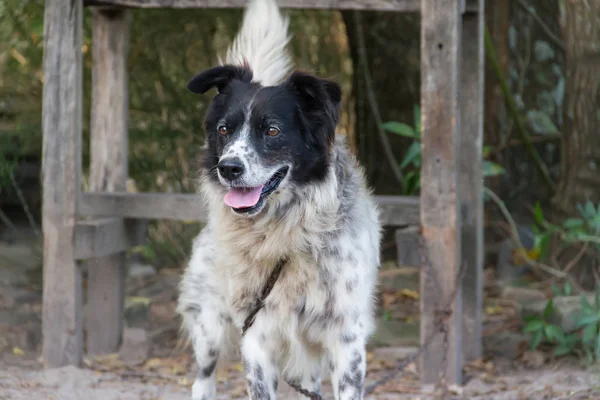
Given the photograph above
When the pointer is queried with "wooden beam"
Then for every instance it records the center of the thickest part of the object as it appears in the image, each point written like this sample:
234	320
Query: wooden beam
170	206
108	173
471	179
100	237
440	218
379	5
61	168
394	210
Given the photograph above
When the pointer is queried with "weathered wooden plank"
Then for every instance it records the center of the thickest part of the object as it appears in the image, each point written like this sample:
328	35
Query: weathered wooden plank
394	210
470	181
378	5
381	5
440	220
100	237
61	166
108	171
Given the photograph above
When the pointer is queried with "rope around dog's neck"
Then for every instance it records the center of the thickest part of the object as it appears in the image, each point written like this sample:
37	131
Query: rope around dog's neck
259	304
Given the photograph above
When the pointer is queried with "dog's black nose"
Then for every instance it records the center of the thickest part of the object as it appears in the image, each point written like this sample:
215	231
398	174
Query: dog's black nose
231	168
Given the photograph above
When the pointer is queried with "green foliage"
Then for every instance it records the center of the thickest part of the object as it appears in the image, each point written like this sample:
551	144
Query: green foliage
411	162
584	230
585	338
590	327
542	330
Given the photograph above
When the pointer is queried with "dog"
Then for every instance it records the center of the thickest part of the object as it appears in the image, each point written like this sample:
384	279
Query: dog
283	192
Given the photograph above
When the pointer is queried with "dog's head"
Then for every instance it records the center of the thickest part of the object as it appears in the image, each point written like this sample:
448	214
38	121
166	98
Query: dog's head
261	140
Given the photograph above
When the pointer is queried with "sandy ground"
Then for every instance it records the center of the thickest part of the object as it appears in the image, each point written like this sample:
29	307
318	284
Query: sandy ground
29	381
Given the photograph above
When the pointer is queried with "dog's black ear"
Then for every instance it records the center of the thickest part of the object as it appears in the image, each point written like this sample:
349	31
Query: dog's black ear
319	100
219	77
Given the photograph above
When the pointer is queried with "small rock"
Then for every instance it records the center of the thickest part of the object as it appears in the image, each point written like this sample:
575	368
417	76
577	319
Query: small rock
522	295
138	270
567	310
136	346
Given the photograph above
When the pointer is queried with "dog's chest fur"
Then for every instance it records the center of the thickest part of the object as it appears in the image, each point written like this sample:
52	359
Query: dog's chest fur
327	232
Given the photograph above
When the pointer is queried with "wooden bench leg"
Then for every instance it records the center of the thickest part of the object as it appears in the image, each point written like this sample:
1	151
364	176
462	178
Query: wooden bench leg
108	169
470	180
441	314
61	166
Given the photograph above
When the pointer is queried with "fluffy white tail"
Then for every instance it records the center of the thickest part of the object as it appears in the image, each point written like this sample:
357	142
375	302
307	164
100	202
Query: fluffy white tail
262	43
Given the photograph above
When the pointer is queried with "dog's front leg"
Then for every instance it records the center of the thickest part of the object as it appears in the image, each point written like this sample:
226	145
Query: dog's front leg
348	367
205	325
259	368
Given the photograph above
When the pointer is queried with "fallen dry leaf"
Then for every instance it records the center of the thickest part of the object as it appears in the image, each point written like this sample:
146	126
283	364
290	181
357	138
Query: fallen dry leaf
17	351
494	310
412	294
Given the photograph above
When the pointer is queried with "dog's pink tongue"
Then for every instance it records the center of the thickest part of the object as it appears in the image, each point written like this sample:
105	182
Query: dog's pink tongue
242	198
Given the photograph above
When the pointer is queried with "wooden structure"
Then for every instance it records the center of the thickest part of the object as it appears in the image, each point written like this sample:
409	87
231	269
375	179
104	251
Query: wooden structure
96	227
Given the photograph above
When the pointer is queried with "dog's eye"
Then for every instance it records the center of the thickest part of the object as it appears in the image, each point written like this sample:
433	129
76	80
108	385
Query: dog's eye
272	131
223	130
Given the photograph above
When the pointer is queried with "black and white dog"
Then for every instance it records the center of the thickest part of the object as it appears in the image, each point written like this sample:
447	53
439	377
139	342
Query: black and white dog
279	187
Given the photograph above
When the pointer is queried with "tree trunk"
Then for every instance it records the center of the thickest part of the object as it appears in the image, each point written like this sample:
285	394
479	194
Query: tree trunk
393	54
580	158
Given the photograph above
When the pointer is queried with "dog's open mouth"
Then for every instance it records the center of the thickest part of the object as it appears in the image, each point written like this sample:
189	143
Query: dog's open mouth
245	200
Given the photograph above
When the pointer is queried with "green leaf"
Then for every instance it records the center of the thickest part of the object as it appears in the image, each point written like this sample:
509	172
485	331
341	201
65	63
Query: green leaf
387	315
541	123
536	339
572	223
401	129
567	289
597	347
534	326
539	214
410	183
540	243
554	333
413	152
589	334
562	350
487	150
588	319
597	299
549	309
492	169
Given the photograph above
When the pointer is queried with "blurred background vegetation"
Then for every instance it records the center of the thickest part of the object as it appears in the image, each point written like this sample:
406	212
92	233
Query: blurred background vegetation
541	112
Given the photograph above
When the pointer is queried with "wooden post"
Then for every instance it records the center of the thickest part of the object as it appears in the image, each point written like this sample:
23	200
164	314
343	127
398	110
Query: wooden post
470	181
61	168
108	170
440	218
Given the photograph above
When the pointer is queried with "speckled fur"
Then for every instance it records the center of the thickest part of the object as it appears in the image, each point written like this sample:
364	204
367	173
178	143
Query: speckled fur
319	314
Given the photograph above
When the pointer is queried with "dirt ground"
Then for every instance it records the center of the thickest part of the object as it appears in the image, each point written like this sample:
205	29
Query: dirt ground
166	371
21	382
